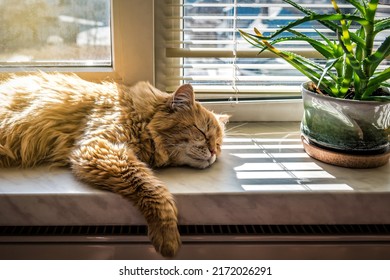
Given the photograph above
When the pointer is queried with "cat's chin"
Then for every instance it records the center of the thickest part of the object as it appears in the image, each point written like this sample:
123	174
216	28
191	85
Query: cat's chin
212	159
202	164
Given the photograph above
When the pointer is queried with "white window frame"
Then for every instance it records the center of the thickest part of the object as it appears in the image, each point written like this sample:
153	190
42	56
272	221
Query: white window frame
132	59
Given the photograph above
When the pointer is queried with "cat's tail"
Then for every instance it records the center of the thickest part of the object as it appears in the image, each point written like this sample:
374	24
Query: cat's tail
114	167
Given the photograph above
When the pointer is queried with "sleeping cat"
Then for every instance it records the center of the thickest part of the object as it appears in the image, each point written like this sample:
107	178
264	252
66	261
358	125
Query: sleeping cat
110	135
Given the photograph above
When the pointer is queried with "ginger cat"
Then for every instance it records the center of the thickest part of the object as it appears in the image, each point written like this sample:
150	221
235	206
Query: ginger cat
111	135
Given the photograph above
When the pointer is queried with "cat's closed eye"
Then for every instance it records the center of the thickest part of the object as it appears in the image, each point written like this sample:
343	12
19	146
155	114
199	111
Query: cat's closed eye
200	135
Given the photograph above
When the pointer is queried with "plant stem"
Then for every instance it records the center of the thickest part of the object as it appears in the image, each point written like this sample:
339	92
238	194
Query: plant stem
369	30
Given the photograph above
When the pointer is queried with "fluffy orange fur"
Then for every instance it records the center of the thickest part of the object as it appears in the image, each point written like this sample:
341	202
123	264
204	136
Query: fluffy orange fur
110	135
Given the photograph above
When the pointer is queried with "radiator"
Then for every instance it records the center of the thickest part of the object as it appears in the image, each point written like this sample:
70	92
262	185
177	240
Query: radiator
368	241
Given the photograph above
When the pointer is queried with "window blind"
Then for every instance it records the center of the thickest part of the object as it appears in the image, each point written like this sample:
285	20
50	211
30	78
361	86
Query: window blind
197	42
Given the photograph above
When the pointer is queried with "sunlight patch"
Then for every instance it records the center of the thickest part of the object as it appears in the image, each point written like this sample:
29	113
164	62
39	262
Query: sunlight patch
301	166
258	166
284	175
311	174
237	140
329	187
279	140
240	147
296	187
263	175
268	155
281	146
273	187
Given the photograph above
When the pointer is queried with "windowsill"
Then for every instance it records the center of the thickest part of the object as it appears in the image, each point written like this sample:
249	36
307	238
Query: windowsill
277	184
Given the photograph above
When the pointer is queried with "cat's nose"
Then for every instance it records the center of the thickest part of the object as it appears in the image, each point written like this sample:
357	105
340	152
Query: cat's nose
212	152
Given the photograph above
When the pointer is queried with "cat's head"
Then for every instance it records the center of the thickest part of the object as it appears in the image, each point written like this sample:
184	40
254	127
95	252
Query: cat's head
189	133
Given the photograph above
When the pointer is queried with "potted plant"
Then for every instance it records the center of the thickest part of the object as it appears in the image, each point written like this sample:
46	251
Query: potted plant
346	118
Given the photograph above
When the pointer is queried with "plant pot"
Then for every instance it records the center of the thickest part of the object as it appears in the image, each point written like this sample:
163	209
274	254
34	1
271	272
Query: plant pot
344	132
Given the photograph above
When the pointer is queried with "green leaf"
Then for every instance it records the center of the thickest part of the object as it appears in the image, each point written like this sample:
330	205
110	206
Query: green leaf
251	39
358	5
330	44
377	57
381	25
385	84
378	98
300	8
380	78
347	79
357	83
329	24
353	62
329	64
326	51
316	17
359	51
307	67
375	82
313	72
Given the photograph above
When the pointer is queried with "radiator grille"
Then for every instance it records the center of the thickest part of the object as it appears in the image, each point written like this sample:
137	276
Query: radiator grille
140	230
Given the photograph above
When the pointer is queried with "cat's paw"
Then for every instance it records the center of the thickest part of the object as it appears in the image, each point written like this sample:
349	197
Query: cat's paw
165	239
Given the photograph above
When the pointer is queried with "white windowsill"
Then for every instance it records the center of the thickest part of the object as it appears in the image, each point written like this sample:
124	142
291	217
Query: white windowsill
260	111
262	177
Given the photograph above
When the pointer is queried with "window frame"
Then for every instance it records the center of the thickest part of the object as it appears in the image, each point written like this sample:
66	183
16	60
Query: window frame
132	60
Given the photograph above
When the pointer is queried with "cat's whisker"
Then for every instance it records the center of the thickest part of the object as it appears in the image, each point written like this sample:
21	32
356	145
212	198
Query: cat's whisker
234	127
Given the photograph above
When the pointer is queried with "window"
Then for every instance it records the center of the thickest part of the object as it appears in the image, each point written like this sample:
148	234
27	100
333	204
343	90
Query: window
199	43
55	33
128	59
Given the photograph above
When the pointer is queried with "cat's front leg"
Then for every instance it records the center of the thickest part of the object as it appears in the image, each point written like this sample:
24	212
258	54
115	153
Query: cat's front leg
114	167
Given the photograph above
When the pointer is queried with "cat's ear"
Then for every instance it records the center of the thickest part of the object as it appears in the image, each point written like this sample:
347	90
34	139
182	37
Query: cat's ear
183	97
222	118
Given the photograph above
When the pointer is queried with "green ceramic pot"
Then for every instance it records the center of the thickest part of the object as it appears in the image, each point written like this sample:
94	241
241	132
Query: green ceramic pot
347	126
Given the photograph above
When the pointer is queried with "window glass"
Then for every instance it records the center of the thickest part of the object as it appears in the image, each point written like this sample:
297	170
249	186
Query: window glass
55	33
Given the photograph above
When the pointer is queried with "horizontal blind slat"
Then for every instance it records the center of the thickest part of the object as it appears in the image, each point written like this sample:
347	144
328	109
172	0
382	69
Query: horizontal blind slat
218	53
242	78
267	5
